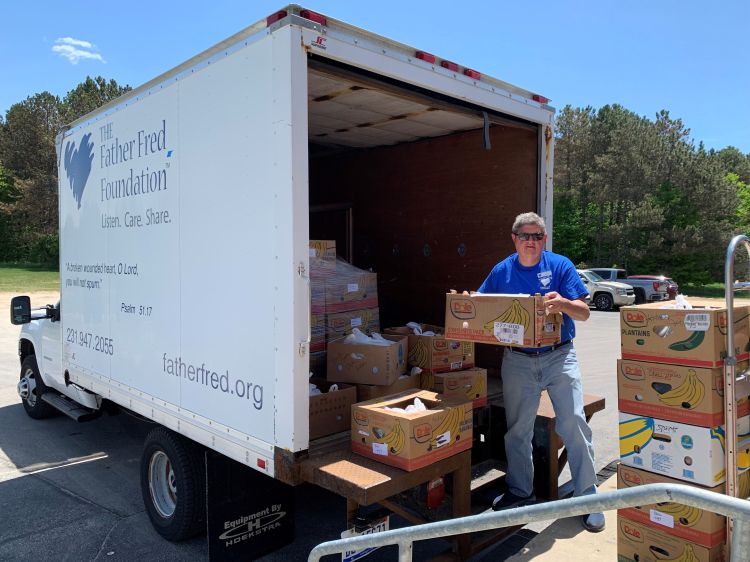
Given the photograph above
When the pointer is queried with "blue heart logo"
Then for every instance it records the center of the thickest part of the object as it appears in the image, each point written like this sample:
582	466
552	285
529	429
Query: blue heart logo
78	165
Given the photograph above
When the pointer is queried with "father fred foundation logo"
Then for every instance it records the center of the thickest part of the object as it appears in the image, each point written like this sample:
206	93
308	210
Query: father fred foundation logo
77	162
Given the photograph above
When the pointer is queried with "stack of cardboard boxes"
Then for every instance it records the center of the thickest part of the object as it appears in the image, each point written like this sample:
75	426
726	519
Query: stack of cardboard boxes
670	396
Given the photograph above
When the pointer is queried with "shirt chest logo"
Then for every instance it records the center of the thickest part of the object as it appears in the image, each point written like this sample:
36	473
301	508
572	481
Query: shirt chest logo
545	278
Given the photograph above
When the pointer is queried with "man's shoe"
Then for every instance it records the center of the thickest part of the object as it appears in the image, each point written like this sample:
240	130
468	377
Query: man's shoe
593	522
509	500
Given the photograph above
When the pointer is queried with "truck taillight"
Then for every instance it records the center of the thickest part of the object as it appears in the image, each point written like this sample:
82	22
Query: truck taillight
314	16
427	57
273	18
657	284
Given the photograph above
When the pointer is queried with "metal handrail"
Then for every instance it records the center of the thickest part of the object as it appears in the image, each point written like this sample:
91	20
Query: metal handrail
736	508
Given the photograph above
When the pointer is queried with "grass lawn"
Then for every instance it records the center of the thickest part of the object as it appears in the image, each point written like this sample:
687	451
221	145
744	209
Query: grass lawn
23	279
710	290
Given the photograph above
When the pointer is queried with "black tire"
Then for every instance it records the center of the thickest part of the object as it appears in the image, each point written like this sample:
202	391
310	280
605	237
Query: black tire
602	301
30	388
173	484
640	295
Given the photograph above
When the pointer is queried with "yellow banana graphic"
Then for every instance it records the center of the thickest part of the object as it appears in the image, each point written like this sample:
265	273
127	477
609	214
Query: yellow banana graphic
395	438
446	431
418	355
688	395
635	435
477	389
427	380
686	515
514	314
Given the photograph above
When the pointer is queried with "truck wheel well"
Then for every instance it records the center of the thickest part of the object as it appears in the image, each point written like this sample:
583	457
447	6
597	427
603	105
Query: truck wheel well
25	348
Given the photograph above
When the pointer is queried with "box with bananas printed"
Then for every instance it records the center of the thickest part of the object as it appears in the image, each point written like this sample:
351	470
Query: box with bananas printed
696	337
705	528
435	353
678	450
470	384
513	320
411	440
637	542
693	395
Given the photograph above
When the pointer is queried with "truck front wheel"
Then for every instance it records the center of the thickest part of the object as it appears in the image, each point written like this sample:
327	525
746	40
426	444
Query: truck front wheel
173	482
603	301
30	389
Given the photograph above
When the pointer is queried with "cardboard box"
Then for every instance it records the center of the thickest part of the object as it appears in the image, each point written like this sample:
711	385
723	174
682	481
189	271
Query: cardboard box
411	440
678	450
367	364
705	528
435	354
341	324
323	254
693	395
470	384
403	383
514	320
351	292
330	412
638	543
697	337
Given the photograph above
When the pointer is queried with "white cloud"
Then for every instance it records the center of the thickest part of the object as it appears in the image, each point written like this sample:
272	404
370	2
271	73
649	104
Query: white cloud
76	49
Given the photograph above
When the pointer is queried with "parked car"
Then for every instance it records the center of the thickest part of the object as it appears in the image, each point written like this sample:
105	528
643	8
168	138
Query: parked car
672	286
605	295
646	290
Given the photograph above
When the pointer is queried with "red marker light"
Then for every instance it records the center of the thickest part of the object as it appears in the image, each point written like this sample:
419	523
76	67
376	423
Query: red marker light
427	57
472	74
314	16
273	18
449	65
540	99
261	463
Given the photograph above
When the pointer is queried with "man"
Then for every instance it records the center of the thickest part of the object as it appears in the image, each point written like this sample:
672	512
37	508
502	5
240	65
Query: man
526	372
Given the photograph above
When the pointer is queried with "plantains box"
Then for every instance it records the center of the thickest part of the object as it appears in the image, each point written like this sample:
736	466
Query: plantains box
367	364
705	528
470	384
693	395
637	542
435	354
518	320
415	439
330	412
404	382
678	450
696	337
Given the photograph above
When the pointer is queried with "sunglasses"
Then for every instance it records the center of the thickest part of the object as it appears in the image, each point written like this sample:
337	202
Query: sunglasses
530	236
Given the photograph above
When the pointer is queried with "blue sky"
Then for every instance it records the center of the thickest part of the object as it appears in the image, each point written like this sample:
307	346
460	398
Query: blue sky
689	57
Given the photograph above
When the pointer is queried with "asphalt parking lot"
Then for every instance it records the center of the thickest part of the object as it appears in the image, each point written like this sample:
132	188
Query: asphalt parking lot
71	491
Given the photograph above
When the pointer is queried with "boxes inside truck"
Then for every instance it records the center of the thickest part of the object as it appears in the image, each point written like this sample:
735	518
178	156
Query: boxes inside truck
470	384
367	364
434	353
330	411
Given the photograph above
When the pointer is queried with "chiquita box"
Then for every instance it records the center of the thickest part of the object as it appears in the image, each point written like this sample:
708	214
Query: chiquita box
637	542
686	452
696	337
514	320
411	440
693	395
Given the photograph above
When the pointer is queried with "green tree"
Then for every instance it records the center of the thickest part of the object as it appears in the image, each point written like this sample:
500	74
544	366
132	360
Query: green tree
89	95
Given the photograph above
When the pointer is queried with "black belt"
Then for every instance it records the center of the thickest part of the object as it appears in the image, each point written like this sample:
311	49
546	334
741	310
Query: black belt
541	351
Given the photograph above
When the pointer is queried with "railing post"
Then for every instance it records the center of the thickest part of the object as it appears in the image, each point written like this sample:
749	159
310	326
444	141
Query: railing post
740	550
404	550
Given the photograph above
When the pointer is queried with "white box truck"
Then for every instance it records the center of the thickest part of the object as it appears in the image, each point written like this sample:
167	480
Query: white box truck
186	210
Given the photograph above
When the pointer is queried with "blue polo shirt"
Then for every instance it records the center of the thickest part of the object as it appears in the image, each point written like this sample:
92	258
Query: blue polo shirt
553	273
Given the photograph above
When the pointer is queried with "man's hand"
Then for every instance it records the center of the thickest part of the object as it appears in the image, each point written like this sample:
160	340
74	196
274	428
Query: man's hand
576	309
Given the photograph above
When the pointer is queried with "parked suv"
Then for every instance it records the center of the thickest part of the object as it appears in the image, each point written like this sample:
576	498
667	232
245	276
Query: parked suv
646	290
605	295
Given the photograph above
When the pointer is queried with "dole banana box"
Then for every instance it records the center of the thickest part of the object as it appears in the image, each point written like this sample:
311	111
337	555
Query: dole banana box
679	450
404	382
637	542
512	320
411	440
705	528
696	337
435	354
367	364
340	324
693	395
469	384
331	411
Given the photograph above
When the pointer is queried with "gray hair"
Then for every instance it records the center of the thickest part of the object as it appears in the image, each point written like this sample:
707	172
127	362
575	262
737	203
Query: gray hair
528	218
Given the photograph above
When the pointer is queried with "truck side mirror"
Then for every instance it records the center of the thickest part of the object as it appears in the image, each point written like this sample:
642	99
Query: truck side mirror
20	310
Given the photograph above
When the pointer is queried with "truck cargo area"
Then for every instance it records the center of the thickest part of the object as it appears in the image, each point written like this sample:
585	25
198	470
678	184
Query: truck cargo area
420	188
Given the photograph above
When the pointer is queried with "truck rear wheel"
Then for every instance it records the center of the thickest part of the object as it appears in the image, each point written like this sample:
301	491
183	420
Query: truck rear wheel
173	483
30	389
603	301
640	295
